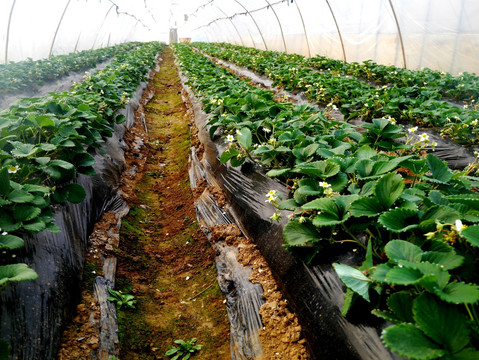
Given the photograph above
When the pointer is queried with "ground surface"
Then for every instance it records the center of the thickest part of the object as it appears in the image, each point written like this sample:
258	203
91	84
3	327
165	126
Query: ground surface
164	259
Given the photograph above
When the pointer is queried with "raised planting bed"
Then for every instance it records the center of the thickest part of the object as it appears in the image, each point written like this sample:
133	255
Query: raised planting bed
397	227
61	156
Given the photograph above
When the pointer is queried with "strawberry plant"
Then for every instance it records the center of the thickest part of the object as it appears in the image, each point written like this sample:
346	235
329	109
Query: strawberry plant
415	221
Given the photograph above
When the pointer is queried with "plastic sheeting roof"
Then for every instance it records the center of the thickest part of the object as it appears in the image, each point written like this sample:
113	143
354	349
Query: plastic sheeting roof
439	34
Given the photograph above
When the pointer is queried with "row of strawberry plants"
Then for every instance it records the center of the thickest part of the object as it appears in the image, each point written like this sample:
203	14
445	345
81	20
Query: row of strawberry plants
463	87
415	219
356	98
21	75
46	142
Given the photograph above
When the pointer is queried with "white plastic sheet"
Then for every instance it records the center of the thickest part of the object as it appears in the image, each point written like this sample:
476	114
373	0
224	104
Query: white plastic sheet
438	34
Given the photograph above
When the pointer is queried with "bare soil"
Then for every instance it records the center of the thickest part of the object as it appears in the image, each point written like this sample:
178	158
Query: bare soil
164	259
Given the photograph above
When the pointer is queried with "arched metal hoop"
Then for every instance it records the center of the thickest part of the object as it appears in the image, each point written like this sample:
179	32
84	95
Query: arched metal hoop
304	28
279	23
337	27
399	33
99	29
232	23
58	27
252	18
8	31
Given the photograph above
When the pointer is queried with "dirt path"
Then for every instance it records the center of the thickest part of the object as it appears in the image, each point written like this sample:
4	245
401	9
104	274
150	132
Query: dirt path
164	259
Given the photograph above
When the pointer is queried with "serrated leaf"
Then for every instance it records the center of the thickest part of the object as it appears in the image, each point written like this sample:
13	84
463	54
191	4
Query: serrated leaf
388	189
407	340
459	293
35	227
297	234
25	212
11	242
16	272
22	150
401	304
471	234
244	137
62	164
446	260
397	250
399	220
403	276
380	272
289	204
442	322
20	196
278	172
228	154
366	207
348	301
353	279
438	168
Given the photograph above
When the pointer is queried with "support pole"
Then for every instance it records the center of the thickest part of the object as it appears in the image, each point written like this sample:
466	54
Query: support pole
103	22
280	27
232	23
58	27
399	33
339	32
304	28
252	18
8	31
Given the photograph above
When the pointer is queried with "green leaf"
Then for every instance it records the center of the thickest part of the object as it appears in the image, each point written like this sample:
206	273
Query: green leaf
459	293
397	250
228	154
4	182
16	272
20	196
446	260
380	272
289	204
399	220
22	150
348	301
44	121
353	279
278	172
407	340
11	242
244	137
364	167
439	169
76	193
35	227
366	207
25	212
320	169
466	354
401	304
389	188
403	276
471	234
62	164
120	119
297	234
442	322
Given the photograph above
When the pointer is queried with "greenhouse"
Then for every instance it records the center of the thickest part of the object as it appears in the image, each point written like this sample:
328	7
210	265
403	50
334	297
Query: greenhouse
239	179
